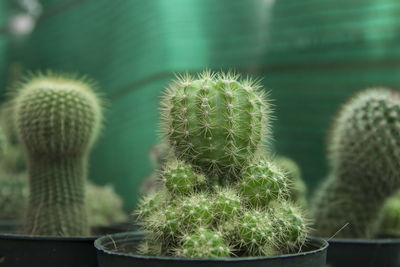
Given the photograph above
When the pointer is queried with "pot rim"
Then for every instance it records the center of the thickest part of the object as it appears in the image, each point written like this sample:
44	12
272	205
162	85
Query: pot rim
317	242
366	241
47	238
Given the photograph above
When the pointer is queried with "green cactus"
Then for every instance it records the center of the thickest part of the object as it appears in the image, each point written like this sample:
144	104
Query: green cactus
262	182
388	224
215	122
181	179
298	189
364	156
13	195
203	243
195	215
104	206
57	118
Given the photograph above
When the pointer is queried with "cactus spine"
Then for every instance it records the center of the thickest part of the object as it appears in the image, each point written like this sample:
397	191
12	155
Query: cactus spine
216	124
58	119
364	155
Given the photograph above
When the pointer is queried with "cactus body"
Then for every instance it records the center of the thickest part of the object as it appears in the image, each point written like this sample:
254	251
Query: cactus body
215	122
262	182
364	154
389	221
58	119
215	125
298	189
180	178
203	244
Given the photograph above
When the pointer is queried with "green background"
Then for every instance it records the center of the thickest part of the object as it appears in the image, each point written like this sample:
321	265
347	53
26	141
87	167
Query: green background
311	54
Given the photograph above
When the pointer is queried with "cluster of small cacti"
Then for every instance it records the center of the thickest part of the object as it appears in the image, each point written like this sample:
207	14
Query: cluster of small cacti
217	199
364	157
57	119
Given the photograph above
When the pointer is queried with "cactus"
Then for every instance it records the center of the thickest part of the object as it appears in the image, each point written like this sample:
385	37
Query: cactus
13	195
104	206
203	243
215	122
388	224
263	182
298	189
364	157
211	202
57	118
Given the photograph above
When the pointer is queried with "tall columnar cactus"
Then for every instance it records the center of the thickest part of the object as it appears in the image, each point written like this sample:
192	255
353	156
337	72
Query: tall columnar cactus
364	155
58	119
215	122
243	214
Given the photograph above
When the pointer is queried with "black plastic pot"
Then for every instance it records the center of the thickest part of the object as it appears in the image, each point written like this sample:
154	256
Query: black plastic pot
364	252
114	251
23	251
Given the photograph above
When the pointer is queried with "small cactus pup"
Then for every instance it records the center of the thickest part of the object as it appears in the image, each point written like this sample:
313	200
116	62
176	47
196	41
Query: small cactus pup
57	118
216	122
364	157
389	221
298	189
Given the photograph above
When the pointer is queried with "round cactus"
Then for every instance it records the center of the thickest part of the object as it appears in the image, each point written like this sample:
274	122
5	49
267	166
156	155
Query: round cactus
298	189
388	224
262	182
290	225
364	154
180	178
58	119
151	203
196	210
215	122
255	233
226	205
203	243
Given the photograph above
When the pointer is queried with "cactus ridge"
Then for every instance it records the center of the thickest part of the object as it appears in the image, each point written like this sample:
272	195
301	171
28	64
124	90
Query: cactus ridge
57	118
215	122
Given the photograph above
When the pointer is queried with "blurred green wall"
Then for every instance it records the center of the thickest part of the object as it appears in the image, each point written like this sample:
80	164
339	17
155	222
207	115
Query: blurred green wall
311	54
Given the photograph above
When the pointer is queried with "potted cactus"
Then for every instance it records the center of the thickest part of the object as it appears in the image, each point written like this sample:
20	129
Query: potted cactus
219	202
57	119
364	159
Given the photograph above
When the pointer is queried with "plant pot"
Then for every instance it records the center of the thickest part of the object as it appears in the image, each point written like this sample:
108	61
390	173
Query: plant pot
363	252
22	251
114	251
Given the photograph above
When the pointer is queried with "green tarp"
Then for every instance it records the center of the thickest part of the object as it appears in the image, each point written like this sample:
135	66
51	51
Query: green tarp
311	54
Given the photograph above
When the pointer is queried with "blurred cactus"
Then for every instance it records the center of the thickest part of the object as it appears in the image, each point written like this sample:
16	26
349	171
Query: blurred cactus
389	220
216	124
57	119
104	206
13	195
364	154
298	189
